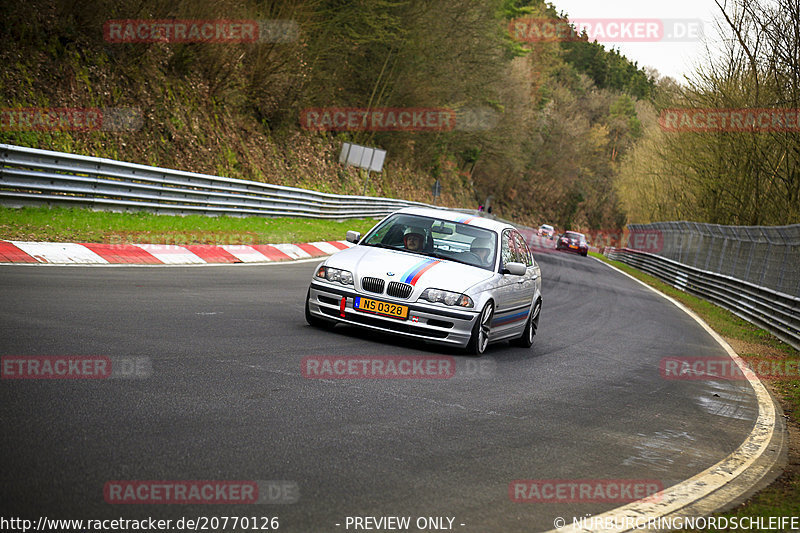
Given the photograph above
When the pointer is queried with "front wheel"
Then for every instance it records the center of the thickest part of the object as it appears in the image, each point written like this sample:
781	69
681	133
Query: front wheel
480	331
526	339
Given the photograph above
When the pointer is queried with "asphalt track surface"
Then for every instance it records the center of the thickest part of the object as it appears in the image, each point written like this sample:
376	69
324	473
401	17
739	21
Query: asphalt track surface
226	400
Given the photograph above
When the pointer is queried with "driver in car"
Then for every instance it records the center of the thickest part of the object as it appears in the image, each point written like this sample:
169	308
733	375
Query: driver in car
414	239
482	248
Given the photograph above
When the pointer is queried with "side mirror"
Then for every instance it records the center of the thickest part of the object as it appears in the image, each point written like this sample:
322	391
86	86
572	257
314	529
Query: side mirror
353	236
515	269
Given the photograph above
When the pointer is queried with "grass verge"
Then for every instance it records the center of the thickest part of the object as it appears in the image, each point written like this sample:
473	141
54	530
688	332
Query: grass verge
753	344
84	225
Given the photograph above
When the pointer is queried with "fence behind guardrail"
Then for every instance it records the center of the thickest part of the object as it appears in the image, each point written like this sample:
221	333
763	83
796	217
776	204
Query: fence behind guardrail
753	271
767	256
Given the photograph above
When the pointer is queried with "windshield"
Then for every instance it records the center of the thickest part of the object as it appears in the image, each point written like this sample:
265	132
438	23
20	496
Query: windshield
438	238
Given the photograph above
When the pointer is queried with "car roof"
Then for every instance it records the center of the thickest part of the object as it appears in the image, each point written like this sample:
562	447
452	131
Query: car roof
455	216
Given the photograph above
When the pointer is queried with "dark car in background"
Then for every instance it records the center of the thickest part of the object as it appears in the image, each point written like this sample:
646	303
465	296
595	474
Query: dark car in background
572	241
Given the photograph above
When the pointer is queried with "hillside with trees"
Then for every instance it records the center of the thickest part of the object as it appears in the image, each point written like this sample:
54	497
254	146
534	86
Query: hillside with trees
564	132
727	177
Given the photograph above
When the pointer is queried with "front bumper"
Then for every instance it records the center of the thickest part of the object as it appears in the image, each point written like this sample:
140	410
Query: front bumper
427	322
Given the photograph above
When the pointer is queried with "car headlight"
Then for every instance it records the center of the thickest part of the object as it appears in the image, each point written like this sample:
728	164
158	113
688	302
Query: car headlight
345	277
447	297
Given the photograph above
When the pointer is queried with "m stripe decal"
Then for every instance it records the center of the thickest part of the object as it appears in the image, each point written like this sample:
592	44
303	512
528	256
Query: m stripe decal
414	273
499	321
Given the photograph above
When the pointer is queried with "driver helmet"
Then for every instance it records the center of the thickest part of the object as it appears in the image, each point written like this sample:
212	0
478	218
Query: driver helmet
414	230
482	247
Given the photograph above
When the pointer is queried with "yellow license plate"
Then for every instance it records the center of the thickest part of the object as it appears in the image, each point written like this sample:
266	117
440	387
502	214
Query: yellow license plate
573	245
381	308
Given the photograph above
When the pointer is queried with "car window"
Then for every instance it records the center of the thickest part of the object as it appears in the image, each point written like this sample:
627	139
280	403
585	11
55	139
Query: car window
514	248
522	248
507	243
436	238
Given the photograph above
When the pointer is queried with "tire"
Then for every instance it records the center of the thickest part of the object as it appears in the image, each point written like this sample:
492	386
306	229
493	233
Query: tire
315	321
526	339
584	254
480	331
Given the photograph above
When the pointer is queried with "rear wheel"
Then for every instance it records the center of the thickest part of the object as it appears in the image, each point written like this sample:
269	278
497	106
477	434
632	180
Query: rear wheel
480	331
526	339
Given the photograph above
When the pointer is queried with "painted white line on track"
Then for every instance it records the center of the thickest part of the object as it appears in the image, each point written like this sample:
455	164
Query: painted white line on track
685	493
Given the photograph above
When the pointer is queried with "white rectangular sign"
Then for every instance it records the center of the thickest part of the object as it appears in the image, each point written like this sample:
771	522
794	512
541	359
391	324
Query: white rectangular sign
360	156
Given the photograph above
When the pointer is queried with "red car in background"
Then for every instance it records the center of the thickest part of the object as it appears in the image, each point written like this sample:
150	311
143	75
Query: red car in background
572	241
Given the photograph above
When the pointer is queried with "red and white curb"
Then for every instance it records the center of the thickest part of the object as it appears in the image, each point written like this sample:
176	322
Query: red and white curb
161	254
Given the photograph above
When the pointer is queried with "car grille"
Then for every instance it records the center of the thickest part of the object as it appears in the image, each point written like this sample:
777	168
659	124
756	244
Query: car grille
372	285
399	290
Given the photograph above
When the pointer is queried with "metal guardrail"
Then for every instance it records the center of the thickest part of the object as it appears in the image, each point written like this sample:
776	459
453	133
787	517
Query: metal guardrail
776	312
30	176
